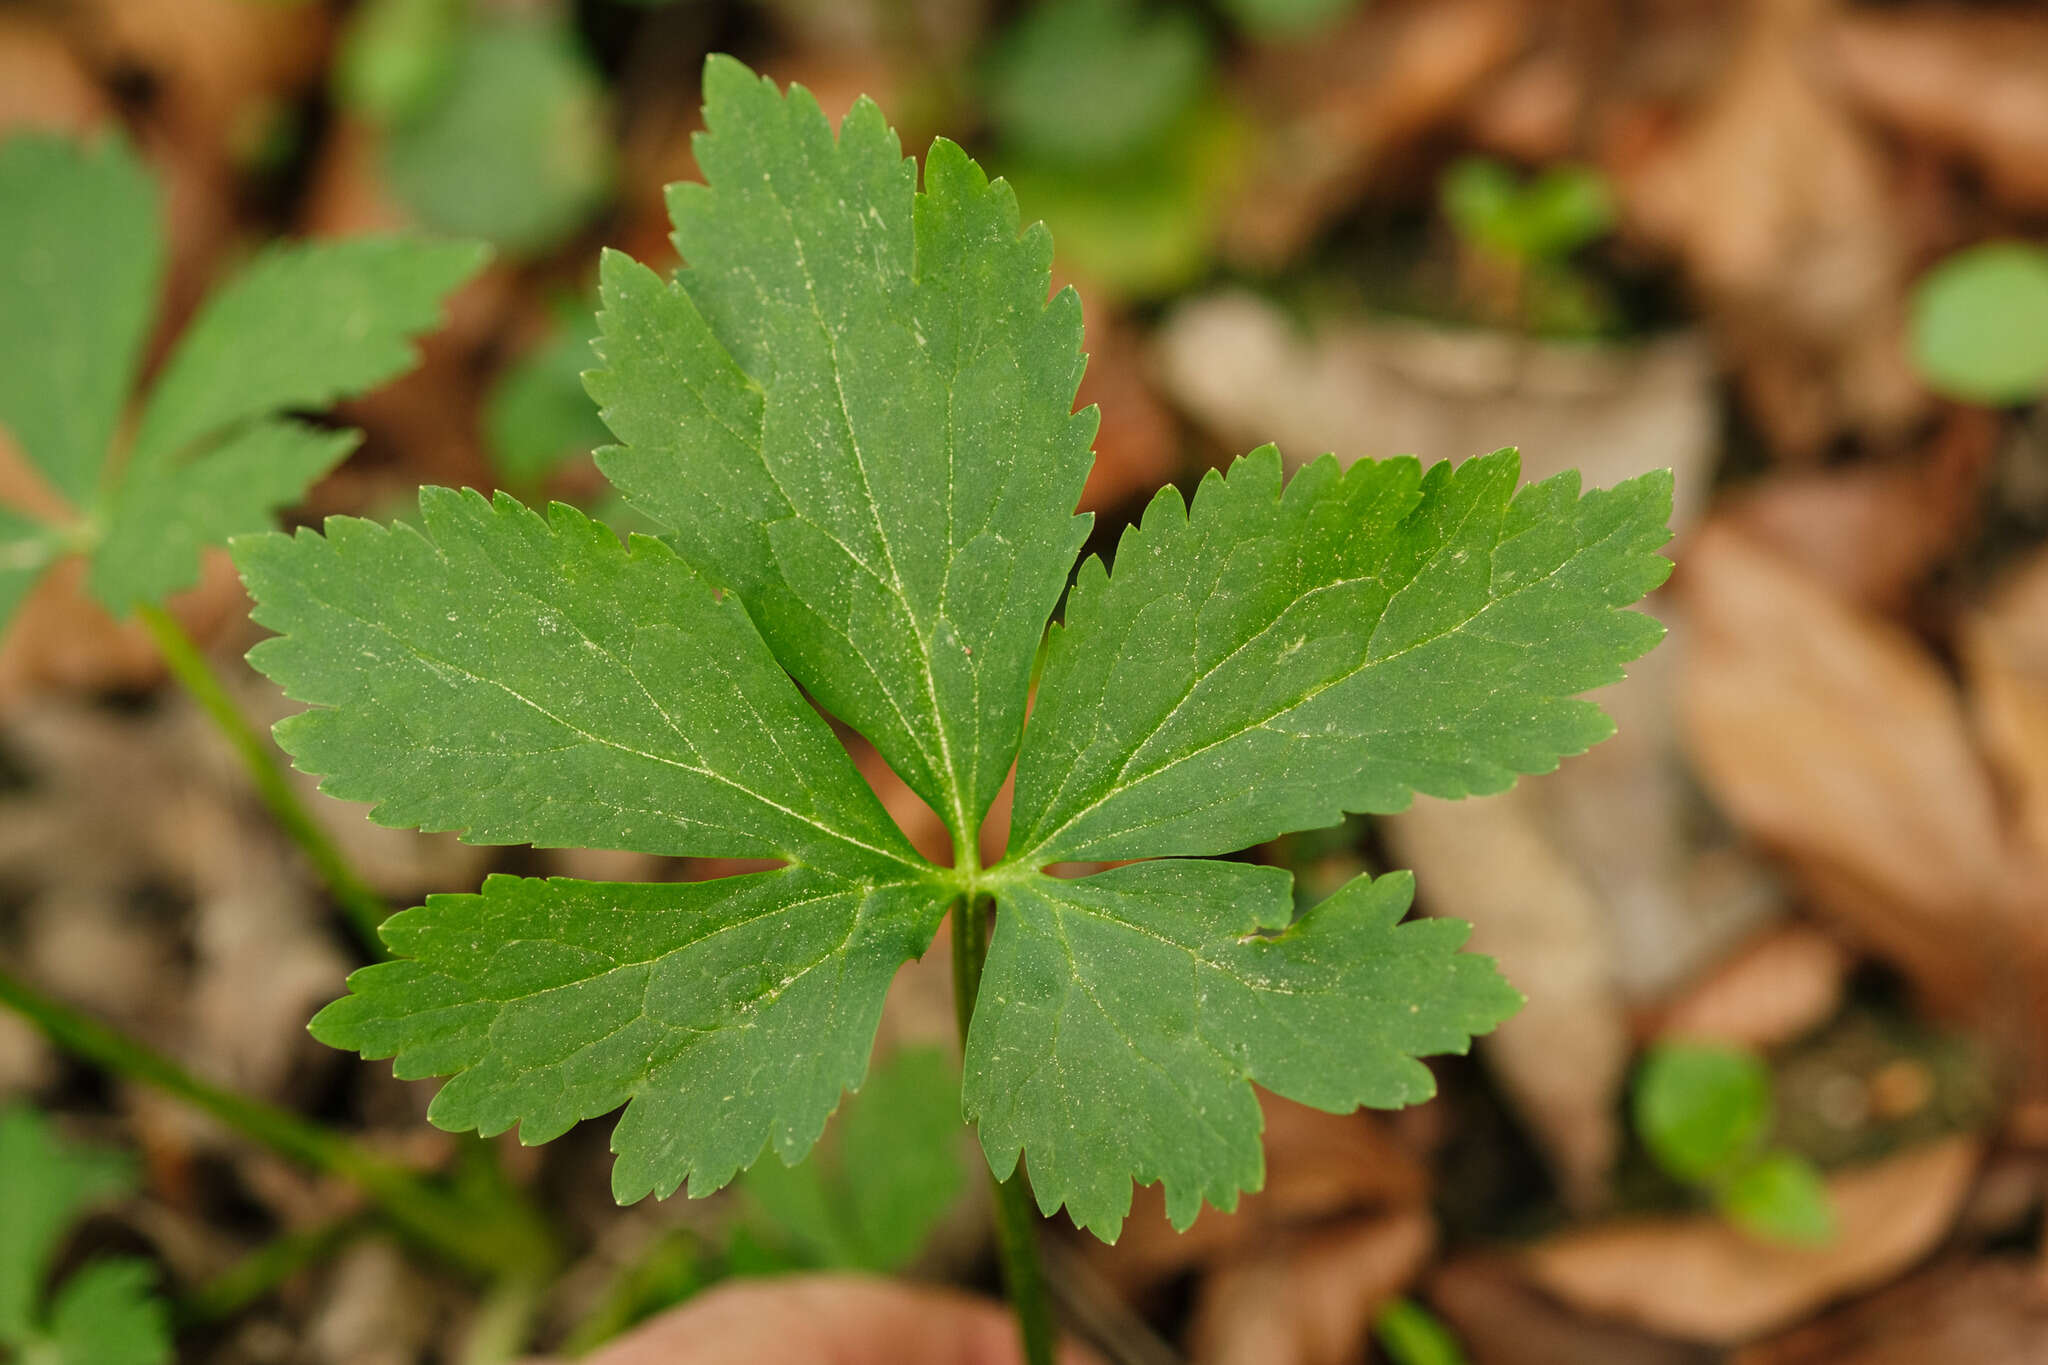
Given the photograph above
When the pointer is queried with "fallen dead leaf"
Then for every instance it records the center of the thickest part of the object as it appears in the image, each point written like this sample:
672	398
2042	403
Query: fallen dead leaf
1873	532
1832	735
1320	1167
1782	984
42	82
1991	1312
1563	1057
1308	1298
1502	1321
1699	1279
2005	652
1249	374
1339	107
1776	202
1969	81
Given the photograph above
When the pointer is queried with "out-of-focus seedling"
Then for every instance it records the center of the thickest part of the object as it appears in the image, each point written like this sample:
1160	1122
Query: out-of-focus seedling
1521	235
1705	1114
104	1313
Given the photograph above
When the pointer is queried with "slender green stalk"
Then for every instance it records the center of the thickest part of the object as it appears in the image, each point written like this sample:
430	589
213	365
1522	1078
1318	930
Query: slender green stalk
498	1238
1016	1216
365	908
257	1275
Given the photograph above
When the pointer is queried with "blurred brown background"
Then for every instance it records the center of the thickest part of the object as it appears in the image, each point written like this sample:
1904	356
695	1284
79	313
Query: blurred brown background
1698	237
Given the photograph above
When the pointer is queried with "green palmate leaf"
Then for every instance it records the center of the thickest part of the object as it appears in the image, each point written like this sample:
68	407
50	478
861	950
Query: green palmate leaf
855	410
45	1186
27	547
1122	1017
1270	660
726	1015
108	1314
163	514
870	1200
213	454
102	1315
80	260
851	413
302	326
531	680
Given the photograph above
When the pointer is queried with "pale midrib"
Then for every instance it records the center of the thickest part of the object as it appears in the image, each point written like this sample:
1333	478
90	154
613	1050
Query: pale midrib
945	768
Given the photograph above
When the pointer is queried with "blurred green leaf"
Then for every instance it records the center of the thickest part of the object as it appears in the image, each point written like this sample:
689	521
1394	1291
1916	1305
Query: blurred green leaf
1779	1197
537	416
396	56
102	1315
1545	219
1282	19
1079	84
1702	1109
869	1197
1980	324
516	148
1410	1334
1146	228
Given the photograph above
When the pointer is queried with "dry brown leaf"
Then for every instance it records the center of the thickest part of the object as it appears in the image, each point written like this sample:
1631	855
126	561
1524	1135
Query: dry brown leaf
1784	983
61	638
1502	1321
1775	200
2005	650
1562	1059
1308	1298
1991	1312
1872	532
1831	735
1969	81
1137	445
42	82
1247	372
1336	109
1319	1167
1699	1279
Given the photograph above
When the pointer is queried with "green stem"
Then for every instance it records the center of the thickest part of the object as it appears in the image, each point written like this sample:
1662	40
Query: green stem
1016	1216
257	1275
496	1239
365	908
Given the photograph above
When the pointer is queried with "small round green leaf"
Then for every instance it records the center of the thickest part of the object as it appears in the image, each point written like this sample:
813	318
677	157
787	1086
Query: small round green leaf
1980	324
1780	1198
1702	1109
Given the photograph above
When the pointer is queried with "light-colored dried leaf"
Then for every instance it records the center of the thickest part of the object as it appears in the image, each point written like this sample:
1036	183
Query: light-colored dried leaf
1832	735
1310	1298
1319	1167
1699	1279
1775	200
1991	1312
1782	984
1970	81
